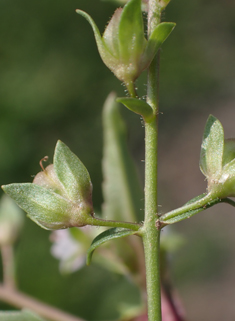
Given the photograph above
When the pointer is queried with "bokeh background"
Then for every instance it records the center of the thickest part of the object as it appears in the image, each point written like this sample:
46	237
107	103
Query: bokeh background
53	85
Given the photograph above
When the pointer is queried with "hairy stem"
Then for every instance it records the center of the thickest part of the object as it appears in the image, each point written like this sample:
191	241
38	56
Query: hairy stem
100	222
151	234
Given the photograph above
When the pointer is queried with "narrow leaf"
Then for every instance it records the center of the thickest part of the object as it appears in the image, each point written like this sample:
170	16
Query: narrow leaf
72	174
46	208
212	148
157	37
189	214
106	236
137	106
122	192
183	216
103	51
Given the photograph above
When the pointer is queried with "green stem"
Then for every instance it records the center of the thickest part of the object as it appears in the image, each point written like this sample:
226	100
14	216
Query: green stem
151	234
100	222
131	89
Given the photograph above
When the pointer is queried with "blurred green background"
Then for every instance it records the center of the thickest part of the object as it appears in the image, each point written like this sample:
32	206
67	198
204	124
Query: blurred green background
53	85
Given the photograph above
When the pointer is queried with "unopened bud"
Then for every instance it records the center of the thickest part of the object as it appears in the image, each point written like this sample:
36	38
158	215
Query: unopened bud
60	195
217	161
123	46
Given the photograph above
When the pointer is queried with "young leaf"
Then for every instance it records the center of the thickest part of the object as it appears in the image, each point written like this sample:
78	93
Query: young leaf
108	235
72	174
23	315
137	106
123	195
212	148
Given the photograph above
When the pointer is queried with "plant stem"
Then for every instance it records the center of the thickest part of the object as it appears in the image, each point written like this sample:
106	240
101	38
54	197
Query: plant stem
100	222
131	89
151	234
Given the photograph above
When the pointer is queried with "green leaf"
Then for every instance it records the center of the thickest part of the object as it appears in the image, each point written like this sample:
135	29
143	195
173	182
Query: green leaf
131	32
122	192
23	315
212	148
72	174
46	208
108	235
189	214
195	199
105	54
183	216
157	37
137	106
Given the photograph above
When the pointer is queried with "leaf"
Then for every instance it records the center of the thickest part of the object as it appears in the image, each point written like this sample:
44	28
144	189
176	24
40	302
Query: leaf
195	199
105	54
122	192
131	31
212	148
72	174
23	315
157	37
189	214
182	217
137	106
108	235
46	208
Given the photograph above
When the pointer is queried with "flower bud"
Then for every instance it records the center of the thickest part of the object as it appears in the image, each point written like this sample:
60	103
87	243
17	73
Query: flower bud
60	195
123	46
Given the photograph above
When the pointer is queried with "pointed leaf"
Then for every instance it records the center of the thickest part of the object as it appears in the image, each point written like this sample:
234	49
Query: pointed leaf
24	315
46	208
156	39
72	174
137	106
131	31
106	236
105	54
122	192
212	148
